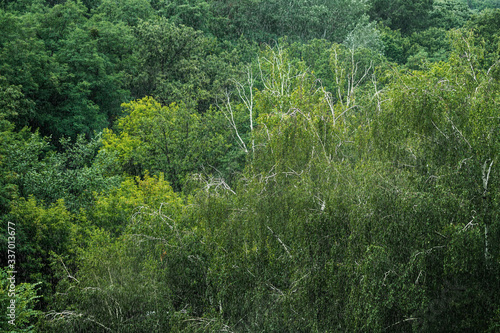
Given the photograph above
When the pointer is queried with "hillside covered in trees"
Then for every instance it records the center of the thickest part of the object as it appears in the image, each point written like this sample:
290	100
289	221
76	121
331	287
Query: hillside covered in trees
250	165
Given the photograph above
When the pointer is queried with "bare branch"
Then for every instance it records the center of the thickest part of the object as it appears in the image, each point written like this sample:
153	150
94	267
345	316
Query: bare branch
214	182
486	175
67	271
400	322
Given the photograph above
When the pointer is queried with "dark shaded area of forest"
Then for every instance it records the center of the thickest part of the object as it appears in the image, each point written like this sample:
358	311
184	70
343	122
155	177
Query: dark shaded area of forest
250	165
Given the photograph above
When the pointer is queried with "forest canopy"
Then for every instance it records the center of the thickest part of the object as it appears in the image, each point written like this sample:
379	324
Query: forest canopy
250	166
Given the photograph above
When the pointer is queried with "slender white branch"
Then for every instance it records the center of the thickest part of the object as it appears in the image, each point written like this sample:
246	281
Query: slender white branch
279	240
247	99
229	114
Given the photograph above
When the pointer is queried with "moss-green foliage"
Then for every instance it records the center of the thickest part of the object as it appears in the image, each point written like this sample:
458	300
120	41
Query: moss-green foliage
114	290
451	145
25	301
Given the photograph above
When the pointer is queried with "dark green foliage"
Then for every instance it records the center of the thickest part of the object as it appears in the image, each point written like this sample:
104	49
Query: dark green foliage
130	12
420	47
171	56
479	5
178	63
197	14
486	27
267	20
34	169
449	14
405	15
66	69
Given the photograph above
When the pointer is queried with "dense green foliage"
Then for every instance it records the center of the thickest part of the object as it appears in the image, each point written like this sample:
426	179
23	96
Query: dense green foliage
250	166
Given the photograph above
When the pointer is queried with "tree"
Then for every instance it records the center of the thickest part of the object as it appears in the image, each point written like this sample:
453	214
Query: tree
485	26
267	20
173	139
35	169
449	14
438	125
176	64
151	277
68	68
113	210
131	12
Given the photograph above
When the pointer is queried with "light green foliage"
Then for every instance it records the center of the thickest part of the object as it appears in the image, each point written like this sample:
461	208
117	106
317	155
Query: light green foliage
43	234
150	278
114	209
171	139
25	298
117	288
157	138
